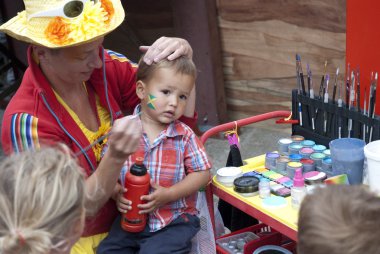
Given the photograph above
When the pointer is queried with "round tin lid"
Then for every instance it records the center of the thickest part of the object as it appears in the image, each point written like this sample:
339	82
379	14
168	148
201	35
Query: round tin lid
246	184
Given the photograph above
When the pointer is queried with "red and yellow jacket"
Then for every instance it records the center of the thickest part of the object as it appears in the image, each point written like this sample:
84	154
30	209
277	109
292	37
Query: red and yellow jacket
35	117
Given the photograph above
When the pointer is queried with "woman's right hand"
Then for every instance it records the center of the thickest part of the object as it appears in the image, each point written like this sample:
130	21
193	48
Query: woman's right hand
124	138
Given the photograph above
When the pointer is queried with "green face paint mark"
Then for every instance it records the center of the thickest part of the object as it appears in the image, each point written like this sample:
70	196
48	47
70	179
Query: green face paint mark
150	104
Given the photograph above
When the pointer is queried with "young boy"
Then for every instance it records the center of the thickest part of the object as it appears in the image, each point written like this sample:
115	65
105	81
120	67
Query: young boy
339	219
175	158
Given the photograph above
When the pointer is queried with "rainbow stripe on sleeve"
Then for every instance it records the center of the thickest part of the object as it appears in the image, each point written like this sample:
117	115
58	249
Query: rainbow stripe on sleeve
120	57
24	132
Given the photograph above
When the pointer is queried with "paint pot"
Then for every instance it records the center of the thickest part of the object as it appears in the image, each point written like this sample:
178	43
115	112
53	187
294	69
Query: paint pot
327	166
317	158
327	152
319	148
308	165
308	143
281	165
314	177
283	146
294	148
246	186
270	160
297	138
227	175
295	157
306	151
291	168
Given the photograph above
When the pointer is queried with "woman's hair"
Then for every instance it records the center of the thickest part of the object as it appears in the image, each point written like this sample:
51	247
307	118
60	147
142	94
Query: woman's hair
182	65
42	197
339	219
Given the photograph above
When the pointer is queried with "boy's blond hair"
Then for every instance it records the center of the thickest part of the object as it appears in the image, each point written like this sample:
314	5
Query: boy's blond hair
42	198
339	219
182	65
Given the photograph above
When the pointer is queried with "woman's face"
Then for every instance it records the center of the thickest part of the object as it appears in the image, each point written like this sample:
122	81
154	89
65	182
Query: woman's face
73	64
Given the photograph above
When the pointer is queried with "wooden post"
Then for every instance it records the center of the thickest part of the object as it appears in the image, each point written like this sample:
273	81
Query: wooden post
196	21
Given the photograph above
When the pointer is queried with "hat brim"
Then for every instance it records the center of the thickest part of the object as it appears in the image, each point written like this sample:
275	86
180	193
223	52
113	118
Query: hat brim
17	28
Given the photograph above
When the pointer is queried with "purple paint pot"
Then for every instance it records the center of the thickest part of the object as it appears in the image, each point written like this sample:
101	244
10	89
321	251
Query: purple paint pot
270	160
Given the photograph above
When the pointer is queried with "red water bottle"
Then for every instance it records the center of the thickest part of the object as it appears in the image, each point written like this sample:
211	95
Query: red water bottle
137	182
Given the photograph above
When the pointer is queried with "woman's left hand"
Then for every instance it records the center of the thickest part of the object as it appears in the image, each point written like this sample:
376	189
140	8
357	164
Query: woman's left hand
166	47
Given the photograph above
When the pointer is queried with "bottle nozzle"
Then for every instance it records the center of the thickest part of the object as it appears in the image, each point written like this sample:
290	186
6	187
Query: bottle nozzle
298	180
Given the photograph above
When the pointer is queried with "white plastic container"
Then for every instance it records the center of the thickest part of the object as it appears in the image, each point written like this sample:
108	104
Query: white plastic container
372	153
227	175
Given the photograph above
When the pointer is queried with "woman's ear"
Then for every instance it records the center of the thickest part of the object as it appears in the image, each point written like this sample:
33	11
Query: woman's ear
39	52
140	89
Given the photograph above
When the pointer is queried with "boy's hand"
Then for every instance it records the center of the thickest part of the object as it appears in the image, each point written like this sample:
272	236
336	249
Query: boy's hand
159	197
123	205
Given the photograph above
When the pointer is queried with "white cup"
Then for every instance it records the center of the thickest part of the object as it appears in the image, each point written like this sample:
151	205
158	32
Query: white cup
372	153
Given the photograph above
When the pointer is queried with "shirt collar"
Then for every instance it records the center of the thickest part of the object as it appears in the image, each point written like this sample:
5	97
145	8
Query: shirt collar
175	128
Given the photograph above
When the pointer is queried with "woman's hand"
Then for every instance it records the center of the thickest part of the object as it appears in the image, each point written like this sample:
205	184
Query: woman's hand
124	138
166	47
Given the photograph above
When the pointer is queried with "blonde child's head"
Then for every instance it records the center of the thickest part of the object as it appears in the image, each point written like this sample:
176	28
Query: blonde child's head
42	198
339	219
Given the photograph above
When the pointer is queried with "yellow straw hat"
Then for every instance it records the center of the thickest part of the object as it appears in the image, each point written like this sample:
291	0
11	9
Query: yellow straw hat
64	23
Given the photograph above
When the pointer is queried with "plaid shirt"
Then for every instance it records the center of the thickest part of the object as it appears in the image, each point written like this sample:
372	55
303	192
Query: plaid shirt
176	152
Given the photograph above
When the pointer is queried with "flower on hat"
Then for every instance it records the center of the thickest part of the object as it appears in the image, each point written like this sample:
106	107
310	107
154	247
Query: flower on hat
108	7
93	21
58	31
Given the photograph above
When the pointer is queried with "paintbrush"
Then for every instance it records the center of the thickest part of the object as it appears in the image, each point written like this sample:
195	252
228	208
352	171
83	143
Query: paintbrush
351	102
333	99
358	89
369	99
311	95
335	85
326	101
321	87
348	85
300	73
372	115
298	58
308	78
340	105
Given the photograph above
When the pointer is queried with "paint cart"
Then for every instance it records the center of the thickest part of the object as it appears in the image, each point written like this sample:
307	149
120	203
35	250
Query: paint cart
278	226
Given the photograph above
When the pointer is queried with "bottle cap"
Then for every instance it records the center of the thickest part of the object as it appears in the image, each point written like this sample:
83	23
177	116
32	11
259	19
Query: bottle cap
138	169
298	180
139	160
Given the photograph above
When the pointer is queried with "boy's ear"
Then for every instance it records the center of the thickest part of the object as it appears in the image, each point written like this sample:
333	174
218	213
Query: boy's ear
140	89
